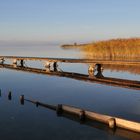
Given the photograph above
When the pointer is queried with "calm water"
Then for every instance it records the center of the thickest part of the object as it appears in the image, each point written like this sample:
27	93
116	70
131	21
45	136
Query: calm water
29	122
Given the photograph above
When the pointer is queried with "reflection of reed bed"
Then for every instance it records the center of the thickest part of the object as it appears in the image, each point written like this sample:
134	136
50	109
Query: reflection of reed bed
123	68
124	48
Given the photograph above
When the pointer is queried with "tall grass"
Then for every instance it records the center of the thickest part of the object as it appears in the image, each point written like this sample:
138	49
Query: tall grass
115	48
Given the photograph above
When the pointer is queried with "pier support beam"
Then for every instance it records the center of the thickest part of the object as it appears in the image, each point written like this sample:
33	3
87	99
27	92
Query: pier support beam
47	64
15	61
22	63
91	70
2	60
55	66
95	70
47	69
99	71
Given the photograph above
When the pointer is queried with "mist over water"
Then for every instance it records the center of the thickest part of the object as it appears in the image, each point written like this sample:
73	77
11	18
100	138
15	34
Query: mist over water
37	50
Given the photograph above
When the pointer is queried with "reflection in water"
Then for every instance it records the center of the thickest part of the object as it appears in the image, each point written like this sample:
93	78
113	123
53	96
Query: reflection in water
26	122
96	78
88	122
134	69
88	54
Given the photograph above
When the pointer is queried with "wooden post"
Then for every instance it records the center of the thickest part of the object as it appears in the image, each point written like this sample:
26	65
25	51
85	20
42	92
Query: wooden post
22	99
99	71
55	66
22	63
59	109
112	123
91	70
2	60
37	103
14	61
47	64
48	69
82	115
10	95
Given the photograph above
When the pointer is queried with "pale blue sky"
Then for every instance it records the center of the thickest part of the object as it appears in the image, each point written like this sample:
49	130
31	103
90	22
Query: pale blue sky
68	20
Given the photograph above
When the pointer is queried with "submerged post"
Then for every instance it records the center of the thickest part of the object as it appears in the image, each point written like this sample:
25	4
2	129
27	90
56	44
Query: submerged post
112	123
59	109
10	95
82	115
22	99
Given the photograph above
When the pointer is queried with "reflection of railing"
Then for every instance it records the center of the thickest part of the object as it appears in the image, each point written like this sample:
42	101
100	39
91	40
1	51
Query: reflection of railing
112	125
98	78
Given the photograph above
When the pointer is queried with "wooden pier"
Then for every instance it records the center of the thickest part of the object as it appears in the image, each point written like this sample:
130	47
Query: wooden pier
69	60
18	63
99	78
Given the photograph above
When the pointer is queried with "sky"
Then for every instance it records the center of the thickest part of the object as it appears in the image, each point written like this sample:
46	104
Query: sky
68	20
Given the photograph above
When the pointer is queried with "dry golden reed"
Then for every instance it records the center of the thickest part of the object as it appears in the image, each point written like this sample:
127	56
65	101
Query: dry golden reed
115	48
112	49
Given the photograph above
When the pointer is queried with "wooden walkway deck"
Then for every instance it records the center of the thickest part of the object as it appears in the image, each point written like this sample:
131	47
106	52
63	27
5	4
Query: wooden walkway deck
77	76
69	60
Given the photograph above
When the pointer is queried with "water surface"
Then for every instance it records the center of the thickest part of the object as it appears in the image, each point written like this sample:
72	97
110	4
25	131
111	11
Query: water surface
29	122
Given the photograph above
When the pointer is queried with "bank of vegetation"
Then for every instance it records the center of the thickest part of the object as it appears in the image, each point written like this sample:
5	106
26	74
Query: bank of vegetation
114	48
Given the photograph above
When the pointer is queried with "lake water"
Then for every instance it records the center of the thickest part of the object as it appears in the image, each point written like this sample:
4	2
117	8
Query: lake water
30	122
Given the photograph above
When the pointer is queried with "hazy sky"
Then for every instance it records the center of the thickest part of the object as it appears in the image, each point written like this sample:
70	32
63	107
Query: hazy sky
68	20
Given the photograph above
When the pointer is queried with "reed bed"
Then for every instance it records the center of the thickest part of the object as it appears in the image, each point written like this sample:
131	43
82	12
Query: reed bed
109	49
115	48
